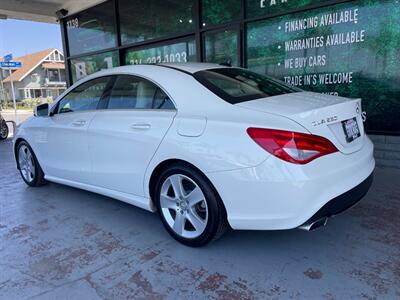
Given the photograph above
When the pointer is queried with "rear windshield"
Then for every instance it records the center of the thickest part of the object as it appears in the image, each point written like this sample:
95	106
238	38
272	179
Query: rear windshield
238	85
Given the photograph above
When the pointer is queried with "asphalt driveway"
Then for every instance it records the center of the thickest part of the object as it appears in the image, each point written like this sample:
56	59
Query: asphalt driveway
60	243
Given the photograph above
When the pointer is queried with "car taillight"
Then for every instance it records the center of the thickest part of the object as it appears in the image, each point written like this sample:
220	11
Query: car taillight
293	147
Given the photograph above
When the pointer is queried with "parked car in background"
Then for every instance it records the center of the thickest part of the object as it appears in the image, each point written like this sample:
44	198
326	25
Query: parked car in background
3	128
206	146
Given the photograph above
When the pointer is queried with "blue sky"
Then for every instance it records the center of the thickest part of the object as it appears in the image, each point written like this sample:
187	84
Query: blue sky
24	37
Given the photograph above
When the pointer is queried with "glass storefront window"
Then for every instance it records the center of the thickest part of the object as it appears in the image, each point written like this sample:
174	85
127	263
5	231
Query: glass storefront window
174	53
347	49
222	47
154	19
257	8
81	67
219	12
92	30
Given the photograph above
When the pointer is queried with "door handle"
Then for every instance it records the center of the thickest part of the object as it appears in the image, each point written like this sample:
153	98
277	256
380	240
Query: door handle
141	126
79	123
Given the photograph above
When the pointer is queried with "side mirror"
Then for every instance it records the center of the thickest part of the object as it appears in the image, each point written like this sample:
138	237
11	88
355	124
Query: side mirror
41	110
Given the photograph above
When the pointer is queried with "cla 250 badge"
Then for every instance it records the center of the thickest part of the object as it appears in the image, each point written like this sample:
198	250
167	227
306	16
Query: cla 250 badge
325	121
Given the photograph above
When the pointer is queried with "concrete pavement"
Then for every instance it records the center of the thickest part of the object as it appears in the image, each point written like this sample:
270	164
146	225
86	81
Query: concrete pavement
60	243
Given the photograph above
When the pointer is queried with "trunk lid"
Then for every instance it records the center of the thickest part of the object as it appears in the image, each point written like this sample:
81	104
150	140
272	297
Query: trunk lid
320	114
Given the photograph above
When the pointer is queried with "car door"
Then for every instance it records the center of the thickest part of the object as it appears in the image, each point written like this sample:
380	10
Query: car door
124	137
65	152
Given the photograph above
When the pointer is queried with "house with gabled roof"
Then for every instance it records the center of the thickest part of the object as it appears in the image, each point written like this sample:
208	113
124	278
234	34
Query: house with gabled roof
42	75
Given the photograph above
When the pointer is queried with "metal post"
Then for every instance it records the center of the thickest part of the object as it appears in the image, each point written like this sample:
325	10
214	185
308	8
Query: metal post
64	38
13	96
3	98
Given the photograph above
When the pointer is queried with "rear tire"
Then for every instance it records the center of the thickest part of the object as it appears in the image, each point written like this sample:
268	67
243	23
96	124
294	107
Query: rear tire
4	131
28	166
189	206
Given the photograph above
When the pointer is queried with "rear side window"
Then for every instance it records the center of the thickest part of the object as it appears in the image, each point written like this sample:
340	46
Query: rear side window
237	85
132	92
84	97
162	101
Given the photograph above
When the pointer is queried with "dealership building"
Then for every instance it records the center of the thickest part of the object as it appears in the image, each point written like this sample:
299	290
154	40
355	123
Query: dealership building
345	48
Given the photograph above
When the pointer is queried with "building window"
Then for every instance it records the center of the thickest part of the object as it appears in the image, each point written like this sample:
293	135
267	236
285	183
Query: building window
155	31
35	77
174	53
219	12
222	47
92	30
151	19
53	75
62	75
37	93
320	51
84	66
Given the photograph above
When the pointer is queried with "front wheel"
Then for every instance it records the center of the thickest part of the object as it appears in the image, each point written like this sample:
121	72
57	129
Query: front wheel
189	206
3	131
29	167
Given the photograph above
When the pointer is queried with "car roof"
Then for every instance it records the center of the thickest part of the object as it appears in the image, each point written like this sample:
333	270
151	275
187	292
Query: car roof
188	68
192	67
175	79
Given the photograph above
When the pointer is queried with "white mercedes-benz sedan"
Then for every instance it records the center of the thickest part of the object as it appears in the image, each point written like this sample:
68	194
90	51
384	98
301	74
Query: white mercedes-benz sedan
207	146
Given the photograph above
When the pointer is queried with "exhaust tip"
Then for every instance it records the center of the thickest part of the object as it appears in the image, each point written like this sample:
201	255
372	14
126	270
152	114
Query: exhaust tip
314	225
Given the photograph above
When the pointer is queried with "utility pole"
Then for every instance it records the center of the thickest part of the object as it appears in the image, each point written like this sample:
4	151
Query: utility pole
13	97
3	98
8	63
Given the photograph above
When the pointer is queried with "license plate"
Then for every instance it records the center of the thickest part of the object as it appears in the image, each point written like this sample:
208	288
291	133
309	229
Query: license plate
351	130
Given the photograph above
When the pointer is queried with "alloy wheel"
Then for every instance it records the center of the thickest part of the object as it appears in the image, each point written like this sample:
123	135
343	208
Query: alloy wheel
26	163
183	206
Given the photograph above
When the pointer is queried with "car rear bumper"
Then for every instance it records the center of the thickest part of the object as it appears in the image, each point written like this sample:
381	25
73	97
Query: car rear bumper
343	202
278	195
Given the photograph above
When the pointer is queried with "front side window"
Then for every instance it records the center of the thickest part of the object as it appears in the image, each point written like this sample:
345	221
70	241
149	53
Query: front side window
84	97
238	85
131	92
